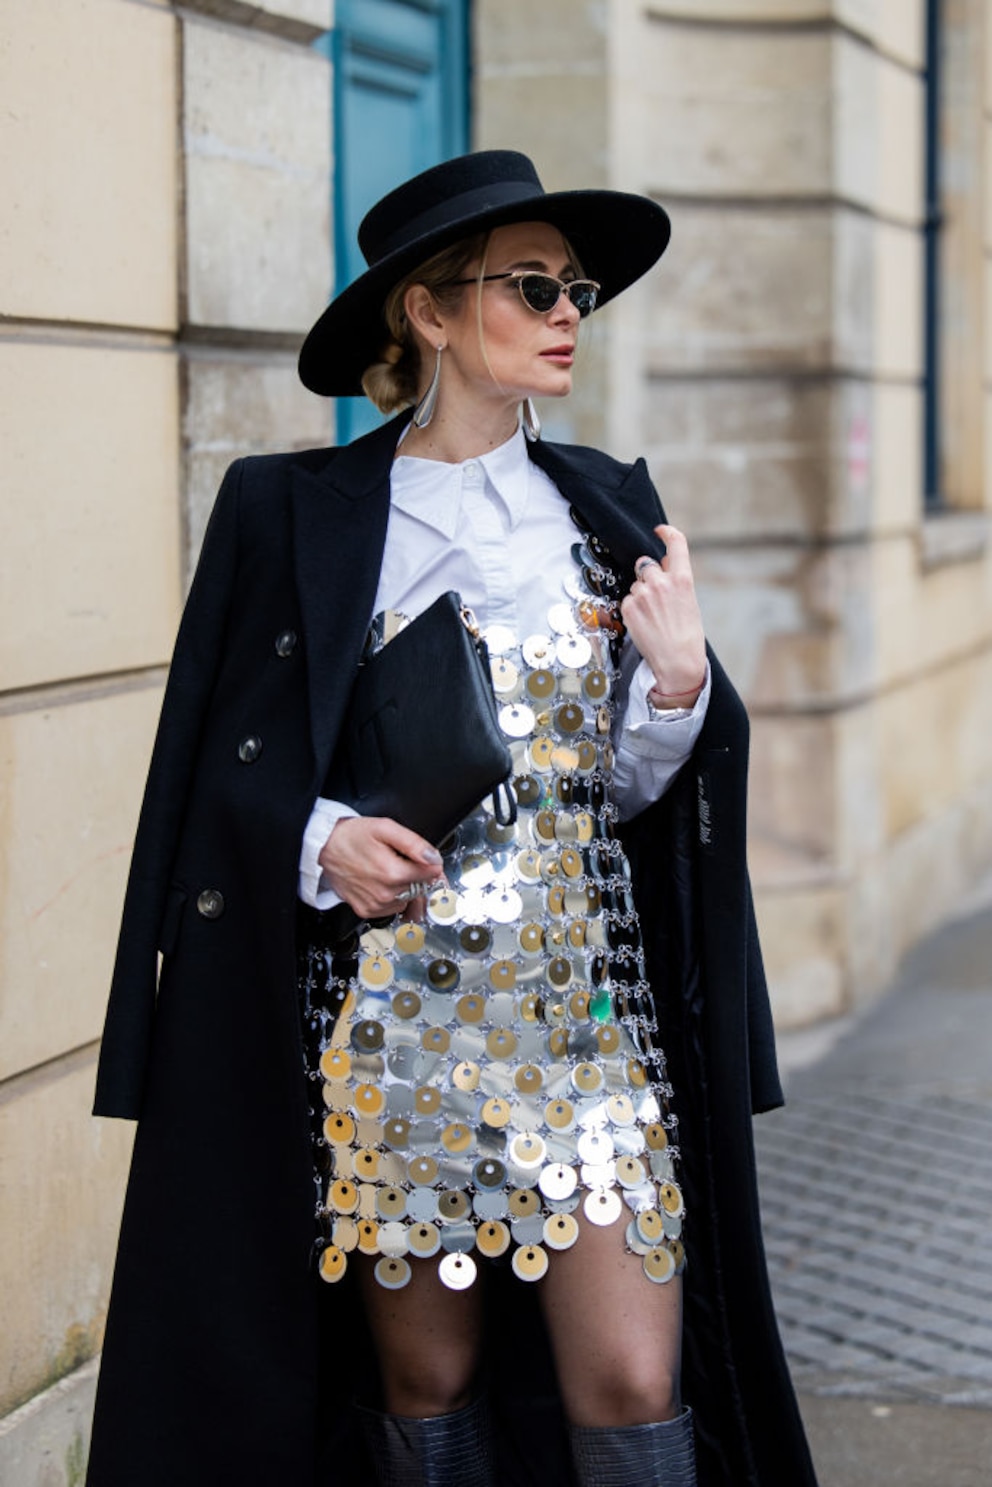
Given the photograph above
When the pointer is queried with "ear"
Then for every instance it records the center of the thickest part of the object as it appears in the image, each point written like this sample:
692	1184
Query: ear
423	315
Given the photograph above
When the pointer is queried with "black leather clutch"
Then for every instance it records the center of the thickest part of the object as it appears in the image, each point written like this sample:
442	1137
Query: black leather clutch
421	740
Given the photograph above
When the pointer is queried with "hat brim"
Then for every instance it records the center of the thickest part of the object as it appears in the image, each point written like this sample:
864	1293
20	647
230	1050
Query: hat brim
617	237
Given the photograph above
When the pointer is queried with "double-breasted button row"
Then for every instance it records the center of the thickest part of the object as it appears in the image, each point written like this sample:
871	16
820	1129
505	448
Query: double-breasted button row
249	748
210	903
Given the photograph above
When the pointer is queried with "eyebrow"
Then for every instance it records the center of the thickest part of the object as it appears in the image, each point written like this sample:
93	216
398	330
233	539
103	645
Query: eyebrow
539	266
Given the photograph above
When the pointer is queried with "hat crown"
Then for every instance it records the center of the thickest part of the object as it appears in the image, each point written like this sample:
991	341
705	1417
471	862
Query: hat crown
454	191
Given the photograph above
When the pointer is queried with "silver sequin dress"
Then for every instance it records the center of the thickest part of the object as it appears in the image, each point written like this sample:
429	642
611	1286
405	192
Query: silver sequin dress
491	1073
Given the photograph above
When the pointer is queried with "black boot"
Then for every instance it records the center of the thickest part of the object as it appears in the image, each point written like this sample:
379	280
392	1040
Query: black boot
441	1451
661	1455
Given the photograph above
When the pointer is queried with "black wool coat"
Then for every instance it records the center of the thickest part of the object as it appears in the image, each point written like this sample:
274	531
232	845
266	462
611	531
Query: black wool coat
227	1363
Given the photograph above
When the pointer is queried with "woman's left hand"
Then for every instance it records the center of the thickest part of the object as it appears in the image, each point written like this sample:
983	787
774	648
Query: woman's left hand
663	620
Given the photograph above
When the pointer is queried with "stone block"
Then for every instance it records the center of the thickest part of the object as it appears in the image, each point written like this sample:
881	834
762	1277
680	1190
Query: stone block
794	625
745	10
59	1233
877	123
257	180
895	26
740	289
88	142
898	293
710	111
803	939
792	806
896	452
45	1443
559	119
239	403
933	738
926	619
987	193
90	434
743	457
559	36
73	772
298	20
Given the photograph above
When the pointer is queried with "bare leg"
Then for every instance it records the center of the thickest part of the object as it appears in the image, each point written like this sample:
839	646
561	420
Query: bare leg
616	1336
426	1338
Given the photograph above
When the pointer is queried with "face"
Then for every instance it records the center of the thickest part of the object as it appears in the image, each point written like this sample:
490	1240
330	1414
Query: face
521	352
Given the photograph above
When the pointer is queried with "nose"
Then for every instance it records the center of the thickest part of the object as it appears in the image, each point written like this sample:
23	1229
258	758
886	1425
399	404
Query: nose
564	312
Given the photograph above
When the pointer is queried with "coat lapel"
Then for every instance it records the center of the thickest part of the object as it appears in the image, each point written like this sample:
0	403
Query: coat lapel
340	515
618	502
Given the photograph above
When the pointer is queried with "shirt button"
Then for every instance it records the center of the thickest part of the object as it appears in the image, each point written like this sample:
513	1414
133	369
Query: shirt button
473	473
249	748
286	643
210	903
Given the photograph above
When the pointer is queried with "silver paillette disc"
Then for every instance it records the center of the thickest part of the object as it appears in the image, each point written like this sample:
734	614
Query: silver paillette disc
573	651
457	1272
527	1150
516	720
499	638
393	1239
561	618
558	1181
504	907
421	1205
537	650
528	1230
603	1208
595	1146
458	1239
635	1243
393	1274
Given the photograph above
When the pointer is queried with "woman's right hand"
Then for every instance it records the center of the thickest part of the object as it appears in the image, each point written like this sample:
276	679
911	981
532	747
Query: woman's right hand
370	861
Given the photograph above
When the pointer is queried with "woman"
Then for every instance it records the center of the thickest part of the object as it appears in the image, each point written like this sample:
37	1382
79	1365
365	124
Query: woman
499	1199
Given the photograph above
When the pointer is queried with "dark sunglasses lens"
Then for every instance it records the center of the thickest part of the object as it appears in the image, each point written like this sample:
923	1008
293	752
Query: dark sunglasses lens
583	296
540	291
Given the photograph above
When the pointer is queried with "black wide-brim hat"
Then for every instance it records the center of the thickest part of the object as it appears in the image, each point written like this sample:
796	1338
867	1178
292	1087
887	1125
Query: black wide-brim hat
617	237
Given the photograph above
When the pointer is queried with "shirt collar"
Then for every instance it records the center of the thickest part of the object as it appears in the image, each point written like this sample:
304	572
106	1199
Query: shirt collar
430	490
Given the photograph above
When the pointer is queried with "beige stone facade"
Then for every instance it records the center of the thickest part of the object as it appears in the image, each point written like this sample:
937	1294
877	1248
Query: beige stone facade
167	243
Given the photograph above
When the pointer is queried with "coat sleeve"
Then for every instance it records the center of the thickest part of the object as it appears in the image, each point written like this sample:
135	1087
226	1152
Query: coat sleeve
199	647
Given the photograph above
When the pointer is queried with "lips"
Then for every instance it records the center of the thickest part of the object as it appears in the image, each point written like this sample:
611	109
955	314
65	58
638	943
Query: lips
559	353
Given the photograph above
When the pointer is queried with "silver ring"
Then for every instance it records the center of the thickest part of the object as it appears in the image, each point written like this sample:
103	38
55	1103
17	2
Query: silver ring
643	563
415	890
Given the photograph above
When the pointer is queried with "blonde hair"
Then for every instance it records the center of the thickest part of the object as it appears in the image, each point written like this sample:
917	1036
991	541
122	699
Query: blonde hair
393	379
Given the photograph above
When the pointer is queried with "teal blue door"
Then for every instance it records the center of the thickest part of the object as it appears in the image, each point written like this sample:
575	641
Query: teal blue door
401	104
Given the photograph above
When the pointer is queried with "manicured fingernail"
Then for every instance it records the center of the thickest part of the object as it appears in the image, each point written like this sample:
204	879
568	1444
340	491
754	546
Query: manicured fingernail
431	856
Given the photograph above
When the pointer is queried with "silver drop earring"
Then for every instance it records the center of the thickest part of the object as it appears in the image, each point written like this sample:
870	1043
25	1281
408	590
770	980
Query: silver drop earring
424	411
530	420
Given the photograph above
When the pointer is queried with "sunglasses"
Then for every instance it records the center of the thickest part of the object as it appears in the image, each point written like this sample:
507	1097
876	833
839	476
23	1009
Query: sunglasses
541	292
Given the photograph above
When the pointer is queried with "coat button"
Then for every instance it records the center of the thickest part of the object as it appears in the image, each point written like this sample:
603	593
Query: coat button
286	643
210	903
249	748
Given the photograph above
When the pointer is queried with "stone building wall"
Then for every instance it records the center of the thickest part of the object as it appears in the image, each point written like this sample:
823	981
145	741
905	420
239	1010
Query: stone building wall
166	242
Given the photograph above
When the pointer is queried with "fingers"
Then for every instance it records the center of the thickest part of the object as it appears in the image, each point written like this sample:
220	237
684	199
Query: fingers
377	866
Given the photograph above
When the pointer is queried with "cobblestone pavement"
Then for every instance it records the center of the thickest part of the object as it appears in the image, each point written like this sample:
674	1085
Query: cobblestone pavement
876	1186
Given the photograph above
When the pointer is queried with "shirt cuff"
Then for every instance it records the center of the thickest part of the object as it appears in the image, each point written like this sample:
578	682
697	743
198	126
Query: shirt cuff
313	888
658	734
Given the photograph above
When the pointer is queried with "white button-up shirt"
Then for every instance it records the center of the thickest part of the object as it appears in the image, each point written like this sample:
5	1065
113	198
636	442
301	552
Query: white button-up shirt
497	529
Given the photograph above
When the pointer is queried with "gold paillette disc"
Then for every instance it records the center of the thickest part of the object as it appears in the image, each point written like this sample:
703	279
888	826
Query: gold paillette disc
436	1039
456	1138
470	1008
656	1136
503	975
375	972
561	1231
406	1004
339	1127
453	1205
465	1076
496	1113
342	1196
392	1274
425	1240
493	1239
370	1101
501	1043
560	1115
659	1265
427	1100
366	1164
333	1264
528	1079
368	1237
410	938
650	1226
524	1203
423	1171
335	1063
530	1263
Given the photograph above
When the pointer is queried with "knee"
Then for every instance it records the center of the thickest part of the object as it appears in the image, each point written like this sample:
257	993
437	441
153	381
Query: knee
636	1391
425	1387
